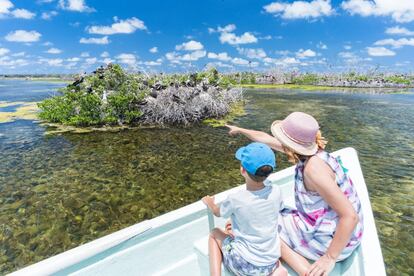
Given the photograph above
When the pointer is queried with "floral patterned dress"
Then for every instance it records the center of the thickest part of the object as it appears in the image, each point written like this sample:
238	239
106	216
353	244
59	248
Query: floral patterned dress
310	228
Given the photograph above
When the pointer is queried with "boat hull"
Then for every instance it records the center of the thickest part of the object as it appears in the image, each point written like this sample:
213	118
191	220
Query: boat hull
175	243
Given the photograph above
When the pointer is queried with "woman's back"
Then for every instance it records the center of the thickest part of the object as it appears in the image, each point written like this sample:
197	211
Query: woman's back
316	219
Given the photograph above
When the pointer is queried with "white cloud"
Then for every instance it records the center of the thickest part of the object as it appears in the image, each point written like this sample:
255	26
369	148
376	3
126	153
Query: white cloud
108	60
75	5
4	51
305	53
218	64
191	45
220	56
268	60
226	29
154	50
252	53
243	62
105	54
153	63
240	61
47	43
48	15
300	9
5	6
233	39
192	56
321	46
94	40
269	37
84	54
19	54
227	35
288	61
400	10
90	61
396	43
52	62
283	52
397	30
54	51
23	36
12	63
71	65
126	26
380	52
347	55
74	59
55	62
23	13
128	59
350	57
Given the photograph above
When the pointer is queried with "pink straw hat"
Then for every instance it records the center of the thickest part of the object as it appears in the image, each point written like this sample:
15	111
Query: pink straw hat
298	132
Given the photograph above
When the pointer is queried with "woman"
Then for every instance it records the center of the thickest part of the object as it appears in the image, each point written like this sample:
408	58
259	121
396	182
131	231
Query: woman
327	224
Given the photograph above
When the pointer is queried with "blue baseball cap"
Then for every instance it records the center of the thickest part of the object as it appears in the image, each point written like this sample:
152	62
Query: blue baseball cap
255	155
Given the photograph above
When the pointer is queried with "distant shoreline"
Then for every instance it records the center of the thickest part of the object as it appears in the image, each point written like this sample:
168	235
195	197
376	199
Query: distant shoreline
38	79
312	87
306	87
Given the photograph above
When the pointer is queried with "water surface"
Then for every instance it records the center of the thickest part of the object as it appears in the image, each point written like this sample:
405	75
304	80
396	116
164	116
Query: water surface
59	191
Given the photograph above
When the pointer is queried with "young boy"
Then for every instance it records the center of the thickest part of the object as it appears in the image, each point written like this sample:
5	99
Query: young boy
253	248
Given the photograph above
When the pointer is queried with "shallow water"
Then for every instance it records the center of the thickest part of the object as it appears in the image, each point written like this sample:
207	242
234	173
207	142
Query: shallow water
59	191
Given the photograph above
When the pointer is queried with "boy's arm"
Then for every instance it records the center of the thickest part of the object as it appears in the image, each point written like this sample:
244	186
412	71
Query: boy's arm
209	201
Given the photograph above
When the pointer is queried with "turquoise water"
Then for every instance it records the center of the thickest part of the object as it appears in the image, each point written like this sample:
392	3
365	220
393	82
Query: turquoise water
58	191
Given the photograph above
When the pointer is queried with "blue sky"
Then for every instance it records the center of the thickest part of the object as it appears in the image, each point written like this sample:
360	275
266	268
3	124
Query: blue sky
71	36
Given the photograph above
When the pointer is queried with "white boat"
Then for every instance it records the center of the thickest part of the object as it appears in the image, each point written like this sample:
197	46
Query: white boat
176	243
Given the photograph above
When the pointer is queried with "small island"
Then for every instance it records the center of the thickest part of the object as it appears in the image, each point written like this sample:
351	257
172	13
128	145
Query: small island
109	96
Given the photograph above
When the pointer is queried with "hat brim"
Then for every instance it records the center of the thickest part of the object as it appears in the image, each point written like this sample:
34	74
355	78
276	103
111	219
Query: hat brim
239	153
278	133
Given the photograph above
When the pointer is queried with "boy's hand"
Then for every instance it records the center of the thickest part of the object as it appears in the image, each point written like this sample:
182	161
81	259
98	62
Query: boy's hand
208	200
233	130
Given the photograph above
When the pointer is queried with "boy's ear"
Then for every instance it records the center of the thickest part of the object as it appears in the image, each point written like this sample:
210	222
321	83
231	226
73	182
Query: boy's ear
242	170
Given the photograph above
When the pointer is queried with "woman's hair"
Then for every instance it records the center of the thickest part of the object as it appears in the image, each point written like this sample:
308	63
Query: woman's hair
261	174
294	157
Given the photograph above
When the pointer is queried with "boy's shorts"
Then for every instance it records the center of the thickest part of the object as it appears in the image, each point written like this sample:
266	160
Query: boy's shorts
239	266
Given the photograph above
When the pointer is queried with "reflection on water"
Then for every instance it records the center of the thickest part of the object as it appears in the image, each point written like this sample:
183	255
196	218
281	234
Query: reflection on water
57	192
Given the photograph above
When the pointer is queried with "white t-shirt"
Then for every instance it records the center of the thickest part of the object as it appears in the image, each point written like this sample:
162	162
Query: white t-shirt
254	216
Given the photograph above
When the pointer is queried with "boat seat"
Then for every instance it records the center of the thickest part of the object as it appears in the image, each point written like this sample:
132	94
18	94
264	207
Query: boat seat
349	267
201	250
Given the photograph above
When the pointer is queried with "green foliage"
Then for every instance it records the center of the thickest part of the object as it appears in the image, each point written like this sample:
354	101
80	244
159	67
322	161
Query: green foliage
247	78
305	79
398	80
87	111
58	109
362	78
110	96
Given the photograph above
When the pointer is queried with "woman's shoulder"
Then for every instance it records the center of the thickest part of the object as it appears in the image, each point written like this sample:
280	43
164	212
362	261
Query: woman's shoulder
317	165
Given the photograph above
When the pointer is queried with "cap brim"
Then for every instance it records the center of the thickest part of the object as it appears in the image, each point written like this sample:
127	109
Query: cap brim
278	133
239	153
